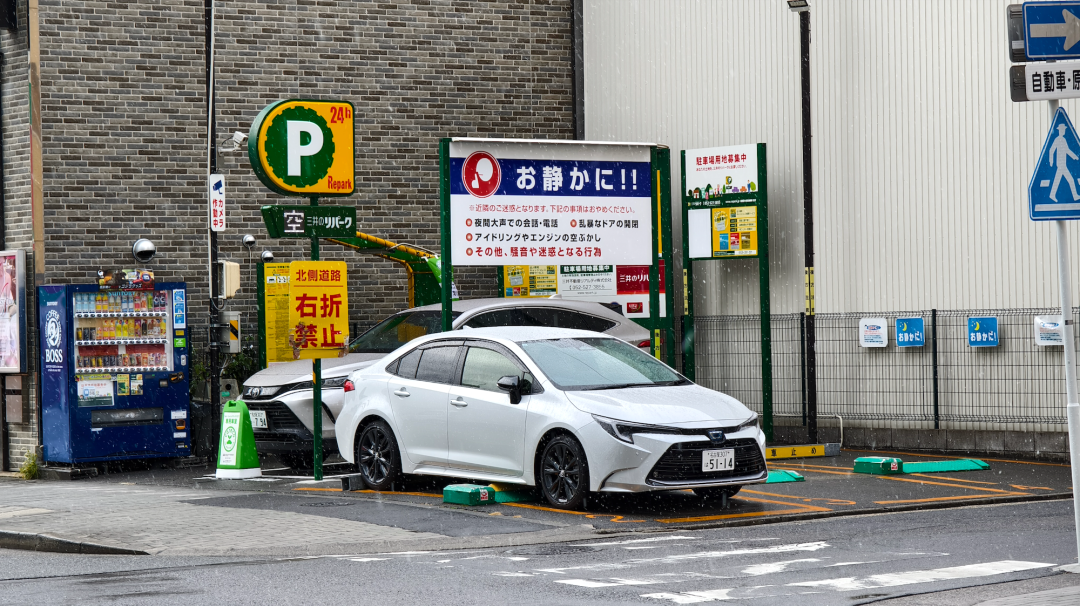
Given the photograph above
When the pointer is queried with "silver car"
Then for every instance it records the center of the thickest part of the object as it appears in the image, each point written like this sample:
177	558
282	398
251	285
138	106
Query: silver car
280	397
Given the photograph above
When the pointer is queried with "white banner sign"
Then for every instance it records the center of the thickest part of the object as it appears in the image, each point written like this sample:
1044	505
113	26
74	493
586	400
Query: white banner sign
719	171
873	332
1048	330
217	202
1045	81
541	203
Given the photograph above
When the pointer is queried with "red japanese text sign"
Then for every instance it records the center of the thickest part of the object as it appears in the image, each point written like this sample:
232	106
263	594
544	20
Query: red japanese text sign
318	309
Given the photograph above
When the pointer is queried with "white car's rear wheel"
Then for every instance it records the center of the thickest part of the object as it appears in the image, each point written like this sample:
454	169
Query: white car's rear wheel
377	456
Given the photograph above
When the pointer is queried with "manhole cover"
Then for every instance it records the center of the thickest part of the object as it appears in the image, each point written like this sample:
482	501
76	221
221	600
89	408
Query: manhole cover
327	504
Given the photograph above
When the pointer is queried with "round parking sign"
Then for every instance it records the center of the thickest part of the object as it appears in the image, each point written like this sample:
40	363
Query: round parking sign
481	174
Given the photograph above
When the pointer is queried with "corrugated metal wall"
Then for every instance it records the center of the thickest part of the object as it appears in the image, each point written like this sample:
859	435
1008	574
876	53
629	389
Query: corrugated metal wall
921	161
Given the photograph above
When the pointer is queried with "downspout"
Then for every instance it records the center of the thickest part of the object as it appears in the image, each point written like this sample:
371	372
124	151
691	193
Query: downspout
4	455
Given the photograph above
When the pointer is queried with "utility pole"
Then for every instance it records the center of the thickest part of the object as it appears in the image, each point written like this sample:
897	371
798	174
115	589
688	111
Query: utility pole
211	168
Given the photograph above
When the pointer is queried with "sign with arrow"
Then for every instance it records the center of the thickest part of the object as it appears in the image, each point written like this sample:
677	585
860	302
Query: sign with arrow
1052	30
1054	193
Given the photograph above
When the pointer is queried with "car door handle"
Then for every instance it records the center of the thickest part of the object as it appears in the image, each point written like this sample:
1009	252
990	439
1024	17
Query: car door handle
459	402
402	393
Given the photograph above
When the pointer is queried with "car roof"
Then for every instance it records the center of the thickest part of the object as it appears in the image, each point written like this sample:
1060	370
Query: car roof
518	334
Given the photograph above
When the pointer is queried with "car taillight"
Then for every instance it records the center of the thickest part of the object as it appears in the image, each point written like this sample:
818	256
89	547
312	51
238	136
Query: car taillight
645	343
349	386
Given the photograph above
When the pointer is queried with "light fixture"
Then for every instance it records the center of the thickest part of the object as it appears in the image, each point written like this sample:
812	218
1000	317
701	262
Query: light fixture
143	250
797	6
267	256
249	241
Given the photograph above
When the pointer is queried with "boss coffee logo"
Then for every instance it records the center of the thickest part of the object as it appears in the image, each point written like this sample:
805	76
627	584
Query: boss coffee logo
53	337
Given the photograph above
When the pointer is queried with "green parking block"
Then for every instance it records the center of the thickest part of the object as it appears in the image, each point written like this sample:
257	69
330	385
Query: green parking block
468	494
781	476
512	493
946	466
879	466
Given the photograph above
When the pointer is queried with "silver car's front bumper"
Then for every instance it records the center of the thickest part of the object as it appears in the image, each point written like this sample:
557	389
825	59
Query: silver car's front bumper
669	462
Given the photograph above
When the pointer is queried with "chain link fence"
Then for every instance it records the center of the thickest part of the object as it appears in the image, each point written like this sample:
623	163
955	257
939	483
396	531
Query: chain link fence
1016	385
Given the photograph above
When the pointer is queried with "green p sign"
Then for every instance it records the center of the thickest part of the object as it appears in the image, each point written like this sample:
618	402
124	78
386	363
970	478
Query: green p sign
304	148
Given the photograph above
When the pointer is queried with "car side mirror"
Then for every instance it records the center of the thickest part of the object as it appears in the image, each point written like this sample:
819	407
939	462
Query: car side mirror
511	384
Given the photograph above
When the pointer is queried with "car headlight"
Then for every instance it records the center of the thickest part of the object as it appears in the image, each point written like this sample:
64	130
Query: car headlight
753	422
624	431
335	382
260	392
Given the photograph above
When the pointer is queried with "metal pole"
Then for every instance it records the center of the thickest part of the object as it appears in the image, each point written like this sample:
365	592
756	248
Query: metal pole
763	294
212	243
316	388
1072	402
802	362
933	361
808	233
688	283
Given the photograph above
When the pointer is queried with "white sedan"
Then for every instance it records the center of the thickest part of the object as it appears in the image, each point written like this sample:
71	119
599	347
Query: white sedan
569	411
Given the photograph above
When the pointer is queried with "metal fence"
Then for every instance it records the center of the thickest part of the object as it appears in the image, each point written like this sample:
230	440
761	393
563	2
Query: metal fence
1017	385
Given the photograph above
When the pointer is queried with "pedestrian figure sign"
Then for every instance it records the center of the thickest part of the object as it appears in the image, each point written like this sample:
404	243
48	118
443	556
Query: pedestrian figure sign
1052	193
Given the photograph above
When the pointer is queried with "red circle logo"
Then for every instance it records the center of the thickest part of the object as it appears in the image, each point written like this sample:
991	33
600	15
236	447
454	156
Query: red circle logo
481	174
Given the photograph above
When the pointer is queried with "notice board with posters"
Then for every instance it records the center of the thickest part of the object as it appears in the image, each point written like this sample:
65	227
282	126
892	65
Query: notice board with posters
12	312
725	207
584	213
274	313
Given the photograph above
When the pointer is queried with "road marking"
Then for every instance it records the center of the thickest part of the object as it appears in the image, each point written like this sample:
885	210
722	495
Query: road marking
411	494
924	576
23	512
995	490
312	489
942	499
828	501
700	555
692	597
941	477
595	584
635	541
802	509
772	567
937	456
368	559
592	516
1019	487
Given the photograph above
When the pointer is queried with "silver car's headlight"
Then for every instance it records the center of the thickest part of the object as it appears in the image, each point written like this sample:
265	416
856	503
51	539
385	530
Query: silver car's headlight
753	422
624	431
335	382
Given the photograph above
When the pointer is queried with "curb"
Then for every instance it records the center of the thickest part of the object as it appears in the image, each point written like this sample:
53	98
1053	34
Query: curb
819	515
28	541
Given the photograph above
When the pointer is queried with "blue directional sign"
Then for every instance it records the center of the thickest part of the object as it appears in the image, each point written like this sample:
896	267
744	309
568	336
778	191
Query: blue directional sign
1054	193
983	332
1052	30
910	332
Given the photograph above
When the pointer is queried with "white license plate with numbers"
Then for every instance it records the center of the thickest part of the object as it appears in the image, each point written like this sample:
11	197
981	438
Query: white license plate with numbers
718	460
258	419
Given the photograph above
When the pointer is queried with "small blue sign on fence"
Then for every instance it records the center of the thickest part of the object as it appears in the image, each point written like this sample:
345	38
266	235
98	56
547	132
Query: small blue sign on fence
910	332
983	332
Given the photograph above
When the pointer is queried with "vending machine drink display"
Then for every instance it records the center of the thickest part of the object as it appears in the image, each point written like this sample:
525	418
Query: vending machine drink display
114	370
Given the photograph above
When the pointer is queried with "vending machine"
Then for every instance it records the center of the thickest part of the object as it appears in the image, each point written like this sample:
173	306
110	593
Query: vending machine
114	371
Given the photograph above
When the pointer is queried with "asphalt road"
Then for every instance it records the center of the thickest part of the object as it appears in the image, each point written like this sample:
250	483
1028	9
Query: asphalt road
987	551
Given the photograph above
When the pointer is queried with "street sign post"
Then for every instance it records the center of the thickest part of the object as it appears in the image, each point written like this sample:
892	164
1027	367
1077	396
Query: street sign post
1045	81
283	221
300	147
1051	30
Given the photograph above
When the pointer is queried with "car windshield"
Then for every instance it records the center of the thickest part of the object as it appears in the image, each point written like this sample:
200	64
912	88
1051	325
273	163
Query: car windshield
397	330
590	364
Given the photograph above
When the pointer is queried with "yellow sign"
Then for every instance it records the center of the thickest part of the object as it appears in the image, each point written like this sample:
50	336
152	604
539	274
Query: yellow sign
276	312
299	147
734	231
318	309
530	280
795	452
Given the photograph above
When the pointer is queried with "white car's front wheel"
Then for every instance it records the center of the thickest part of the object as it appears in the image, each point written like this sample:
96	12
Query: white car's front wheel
564	473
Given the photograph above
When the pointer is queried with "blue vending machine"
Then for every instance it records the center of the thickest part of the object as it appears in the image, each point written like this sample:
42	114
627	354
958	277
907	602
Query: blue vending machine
114	371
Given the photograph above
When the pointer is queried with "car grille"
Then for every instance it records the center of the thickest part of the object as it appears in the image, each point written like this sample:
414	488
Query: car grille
278	416
682	462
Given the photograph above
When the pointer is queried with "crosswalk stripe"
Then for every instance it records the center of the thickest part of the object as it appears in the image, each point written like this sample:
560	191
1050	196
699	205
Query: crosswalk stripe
924	576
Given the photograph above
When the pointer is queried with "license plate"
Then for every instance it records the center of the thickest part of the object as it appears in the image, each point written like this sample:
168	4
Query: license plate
258	419
718	460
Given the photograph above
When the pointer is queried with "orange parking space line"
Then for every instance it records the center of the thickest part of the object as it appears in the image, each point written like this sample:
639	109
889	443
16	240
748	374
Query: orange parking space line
614	518
835	473
997	490
1019	487
828	500
804	507
411	494
957	498
732	516
819	466
320	489
937	476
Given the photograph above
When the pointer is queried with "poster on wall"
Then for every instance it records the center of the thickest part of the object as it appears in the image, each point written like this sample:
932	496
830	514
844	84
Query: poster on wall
626	285
1048	331
276	312
873	332
13	312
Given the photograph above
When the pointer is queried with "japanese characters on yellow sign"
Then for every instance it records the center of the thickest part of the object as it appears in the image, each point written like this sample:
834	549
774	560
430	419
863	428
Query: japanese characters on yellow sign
530	280
276	314
318	309
734	231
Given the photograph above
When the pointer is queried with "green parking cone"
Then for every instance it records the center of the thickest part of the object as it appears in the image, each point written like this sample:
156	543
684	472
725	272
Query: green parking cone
237	458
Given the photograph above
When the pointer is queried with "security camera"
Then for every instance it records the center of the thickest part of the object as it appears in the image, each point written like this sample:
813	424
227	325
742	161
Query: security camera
249	241
143	250
267	256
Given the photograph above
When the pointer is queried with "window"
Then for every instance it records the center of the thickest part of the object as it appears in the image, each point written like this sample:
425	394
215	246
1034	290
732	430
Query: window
484	368
565	318
540	316
397	330
600	363
499	317
406	367
436	364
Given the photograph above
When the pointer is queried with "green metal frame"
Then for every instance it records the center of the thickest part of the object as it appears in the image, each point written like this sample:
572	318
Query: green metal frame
760	199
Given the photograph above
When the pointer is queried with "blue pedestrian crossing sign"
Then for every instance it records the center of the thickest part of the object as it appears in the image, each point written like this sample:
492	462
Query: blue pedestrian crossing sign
1054	193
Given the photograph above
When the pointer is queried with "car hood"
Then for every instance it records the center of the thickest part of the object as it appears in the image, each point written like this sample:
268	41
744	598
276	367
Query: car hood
300	370
669	405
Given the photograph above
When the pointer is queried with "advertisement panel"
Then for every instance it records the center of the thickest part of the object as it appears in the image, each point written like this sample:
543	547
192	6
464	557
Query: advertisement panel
300	147
318	309
715	172
627	285
539	203
12	312
276	310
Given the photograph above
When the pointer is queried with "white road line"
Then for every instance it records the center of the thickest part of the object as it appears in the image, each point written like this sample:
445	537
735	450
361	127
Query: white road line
701	555
692	597
924	576
614	582
771	567
634	541
23	512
